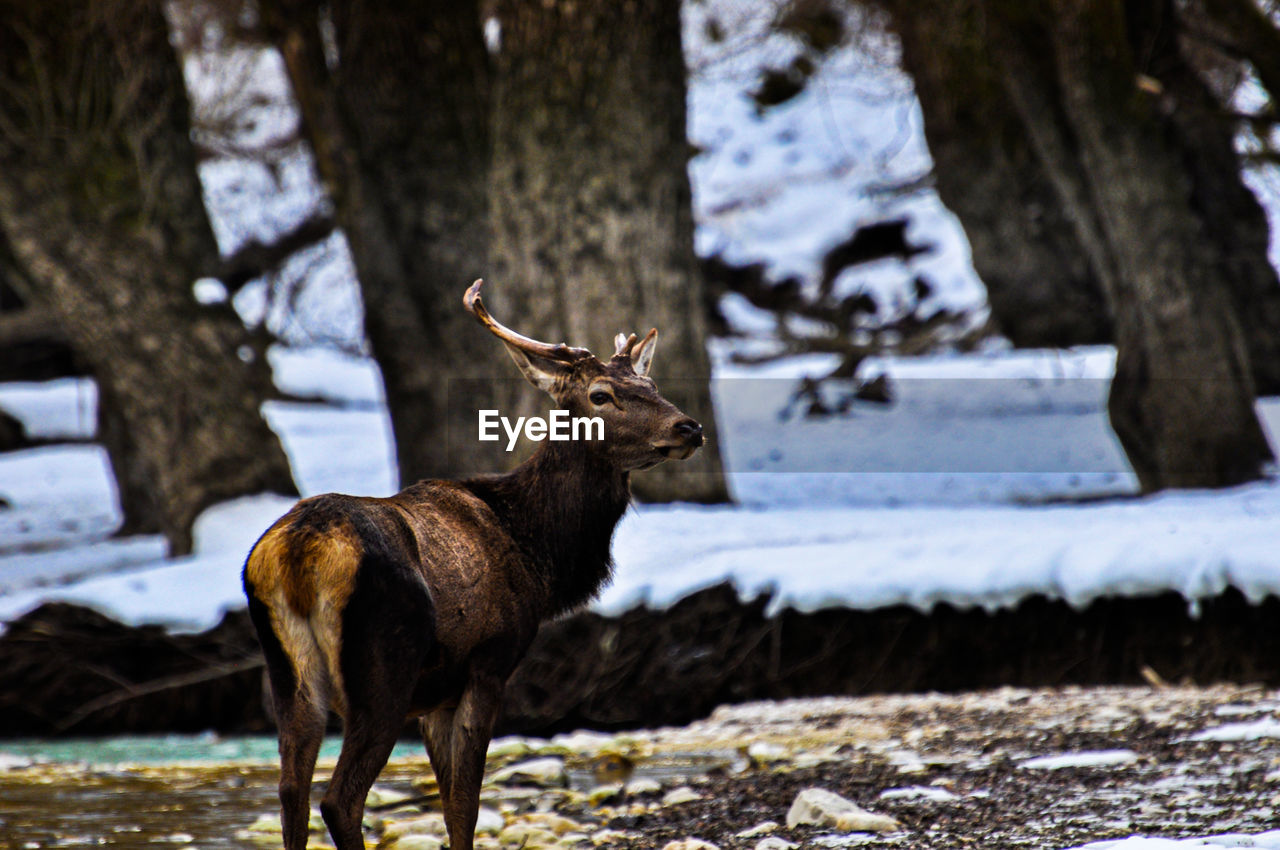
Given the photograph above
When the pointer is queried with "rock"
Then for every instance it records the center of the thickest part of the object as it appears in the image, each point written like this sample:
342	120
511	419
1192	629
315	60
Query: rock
510	748
642	787
773	842
489	822
613	836
265	831
514	796
920	792
582	743
764	753
413	842
690	844
762	828
557	824
610	767
379	796
429	824
820	807
683	794
543	772
602	794
265	823
267	828
526	835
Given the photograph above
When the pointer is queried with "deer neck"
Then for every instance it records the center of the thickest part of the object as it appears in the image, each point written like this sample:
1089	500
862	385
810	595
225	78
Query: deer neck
561	507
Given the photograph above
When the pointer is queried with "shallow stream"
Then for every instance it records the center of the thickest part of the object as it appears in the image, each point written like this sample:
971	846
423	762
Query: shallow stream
177	791
196	791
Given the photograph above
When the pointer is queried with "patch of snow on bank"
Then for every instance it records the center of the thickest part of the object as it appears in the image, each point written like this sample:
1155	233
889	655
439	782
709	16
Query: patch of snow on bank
65	409
190	593
1269	839
327	374
1092	759
965	516
1267	727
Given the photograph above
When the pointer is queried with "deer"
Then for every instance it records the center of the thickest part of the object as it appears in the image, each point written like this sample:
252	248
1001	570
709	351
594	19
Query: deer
421	604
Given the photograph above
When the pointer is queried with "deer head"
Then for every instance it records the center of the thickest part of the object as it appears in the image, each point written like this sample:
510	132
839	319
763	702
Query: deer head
641	428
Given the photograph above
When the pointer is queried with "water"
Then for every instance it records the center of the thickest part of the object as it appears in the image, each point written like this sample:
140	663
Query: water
153	792
198	791
167	749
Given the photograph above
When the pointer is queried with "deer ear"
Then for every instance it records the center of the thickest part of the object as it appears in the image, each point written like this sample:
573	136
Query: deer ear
543	372
642	353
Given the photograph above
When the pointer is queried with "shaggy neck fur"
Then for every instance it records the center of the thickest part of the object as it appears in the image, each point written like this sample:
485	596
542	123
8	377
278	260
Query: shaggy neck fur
561	507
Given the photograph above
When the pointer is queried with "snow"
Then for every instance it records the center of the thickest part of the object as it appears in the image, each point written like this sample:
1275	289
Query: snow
1091	759
993	476
969	490
64	409
1267	727
953	495
925	793
1269	839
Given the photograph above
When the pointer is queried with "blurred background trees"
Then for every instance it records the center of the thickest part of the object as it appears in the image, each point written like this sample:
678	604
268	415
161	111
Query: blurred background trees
592	216
1079	140
105	229
394	99
1092	150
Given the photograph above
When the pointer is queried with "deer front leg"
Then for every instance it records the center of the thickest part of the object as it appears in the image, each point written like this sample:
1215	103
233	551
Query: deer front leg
472	728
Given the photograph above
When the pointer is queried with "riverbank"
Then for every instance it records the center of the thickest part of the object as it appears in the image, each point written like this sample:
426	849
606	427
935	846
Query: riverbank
69	671
1009	768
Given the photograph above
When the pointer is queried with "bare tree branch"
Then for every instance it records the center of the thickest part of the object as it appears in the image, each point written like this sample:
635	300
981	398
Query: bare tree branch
208	674
256	258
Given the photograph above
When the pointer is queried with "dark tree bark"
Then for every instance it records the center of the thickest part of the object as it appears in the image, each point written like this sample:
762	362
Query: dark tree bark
398	119
1083	78
1042	289
593	229
102	209
1041	284
33	345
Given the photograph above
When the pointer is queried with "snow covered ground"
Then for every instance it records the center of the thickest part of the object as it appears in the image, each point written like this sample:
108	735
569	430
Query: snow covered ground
966	491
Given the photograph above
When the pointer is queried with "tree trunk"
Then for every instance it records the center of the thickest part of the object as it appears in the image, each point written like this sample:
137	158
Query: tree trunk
1041	284
1234	222
1182	397
1041	288
398	119
33	345
101	207
1099	129
593	227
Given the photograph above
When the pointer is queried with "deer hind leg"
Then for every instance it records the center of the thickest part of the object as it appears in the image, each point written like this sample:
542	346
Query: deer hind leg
301	713
437	735
385	632
366	744
302	726
472	729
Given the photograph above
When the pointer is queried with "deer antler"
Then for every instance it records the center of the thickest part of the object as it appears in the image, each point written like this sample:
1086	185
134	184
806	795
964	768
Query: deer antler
622	344
559	351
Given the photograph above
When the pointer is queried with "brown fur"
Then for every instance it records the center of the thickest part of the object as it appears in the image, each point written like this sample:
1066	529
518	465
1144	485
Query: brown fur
422	604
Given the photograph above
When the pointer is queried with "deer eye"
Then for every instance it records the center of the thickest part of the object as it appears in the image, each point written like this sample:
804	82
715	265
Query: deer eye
599	397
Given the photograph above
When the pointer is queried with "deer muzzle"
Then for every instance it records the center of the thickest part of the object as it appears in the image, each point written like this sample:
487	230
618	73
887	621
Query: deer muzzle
687	439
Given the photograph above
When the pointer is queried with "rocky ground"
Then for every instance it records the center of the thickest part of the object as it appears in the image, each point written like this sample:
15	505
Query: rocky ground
1010	768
